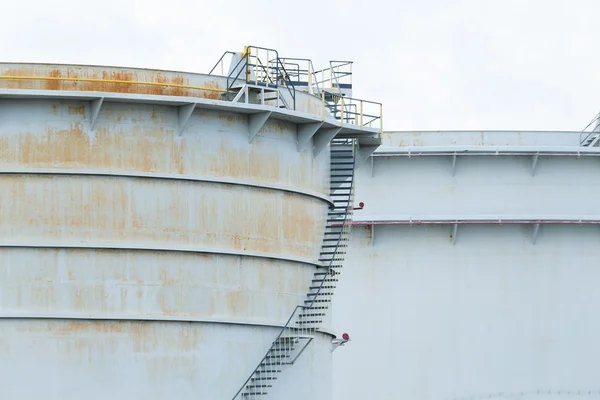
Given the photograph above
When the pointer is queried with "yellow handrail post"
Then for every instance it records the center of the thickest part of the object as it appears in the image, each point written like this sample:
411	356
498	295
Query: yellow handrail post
268	68
361	114
342	115
256	69
381	118
323	105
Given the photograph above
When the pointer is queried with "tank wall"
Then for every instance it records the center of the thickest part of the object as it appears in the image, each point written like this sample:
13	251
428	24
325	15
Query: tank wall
492	314
132	80
93	77
142	138
481	138
111	238
153	360
121	284
481	185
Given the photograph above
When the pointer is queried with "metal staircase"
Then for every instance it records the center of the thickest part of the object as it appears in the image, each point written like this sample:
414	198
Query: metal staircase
306	319
591	139
259	77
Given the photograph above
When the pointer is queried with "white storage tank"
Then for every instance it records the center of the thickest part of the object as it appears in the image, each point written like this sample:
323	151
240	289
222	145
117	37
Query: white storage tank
473	269
155	237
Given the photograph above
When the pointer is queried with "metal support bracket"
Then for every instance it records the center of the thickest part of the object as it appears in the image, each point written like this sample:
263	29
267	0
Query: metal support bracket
373	235
323	137
184	113
454	163
238	96
534	164
364	153
536	230
95	106
306	132
454	233
308	339
256	122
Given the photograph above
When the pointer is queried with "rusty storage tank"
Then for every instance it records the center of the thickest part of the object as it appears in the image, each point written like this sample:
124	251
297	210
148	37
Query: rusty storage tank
473	269
158	229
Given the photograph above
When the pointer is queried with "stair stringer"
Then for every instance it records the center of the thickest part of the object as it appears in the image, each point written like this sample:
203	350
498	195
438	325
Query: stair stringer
299	330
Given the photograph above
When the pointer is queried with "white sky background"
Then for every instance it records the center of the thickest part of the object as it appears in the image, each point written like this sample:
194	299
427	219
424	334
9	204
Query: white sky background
435	64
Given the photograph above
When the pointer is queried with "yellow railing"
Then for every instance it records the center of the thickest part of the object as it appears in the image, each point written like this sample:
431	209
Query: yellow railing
163	84
361	113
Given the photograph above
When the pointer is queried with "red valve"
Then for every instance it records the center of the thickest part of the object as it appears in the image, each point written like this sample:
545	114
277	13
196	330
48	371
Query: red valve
346	337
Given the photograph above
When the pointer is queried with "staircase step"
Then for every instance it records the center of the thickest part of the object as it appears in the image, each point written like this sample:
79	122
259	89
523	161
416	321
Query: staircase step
319	294
258	386
315	322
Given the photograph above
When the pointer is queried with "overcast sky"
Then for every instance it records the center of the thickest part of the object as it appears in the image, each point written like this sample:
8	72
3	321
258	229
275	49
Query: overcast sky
435	64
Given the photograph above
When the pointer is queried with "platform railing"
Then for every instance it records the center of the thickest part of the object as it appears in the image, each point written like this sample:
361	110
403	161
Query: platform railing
586	137
336	77
257	67
302	74
351	111
223	63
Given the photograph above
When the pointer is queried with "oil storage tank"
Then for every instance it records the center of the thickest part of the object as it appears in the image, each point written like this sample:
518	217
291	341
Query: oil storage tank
159	228
473	269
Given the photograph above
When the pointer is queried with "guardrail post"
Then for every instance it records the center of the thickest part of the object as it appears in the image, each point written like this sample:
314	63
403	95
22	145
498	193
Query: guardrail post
361	114
381	118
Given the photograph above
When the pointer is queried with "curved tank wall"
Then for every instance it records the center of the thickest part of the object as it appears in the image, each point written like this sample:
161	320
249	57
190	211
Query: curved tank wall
138	262
475	276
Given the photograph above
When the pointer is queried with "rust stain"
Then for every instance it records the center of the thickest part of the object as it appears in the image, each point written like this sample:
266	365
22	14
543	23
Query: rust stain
76	110
109	73
152	147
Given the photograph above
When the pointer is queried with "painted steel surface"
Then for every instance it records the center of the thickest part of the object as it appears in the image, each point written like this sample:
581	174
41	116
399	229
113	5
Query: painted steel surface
60	359
493	316
118	278
89	78
490	313
538	139
486	186
110	79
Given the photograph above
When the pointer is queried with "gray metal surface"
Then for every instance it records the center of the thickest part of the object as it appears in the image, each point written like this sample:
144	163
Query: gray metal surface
476	284
142	260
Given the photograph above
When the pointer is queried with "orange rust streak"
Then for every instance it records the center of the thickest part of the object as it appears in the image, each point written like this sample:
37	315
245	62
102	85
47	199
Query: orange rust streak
52	78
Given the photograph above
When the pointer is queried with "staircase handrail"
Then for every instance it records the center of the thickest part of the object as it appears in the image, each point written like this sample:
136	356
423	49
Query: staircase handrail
246	61
286	77
233	80
311	304
593	131
359	115
311	77
221	61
